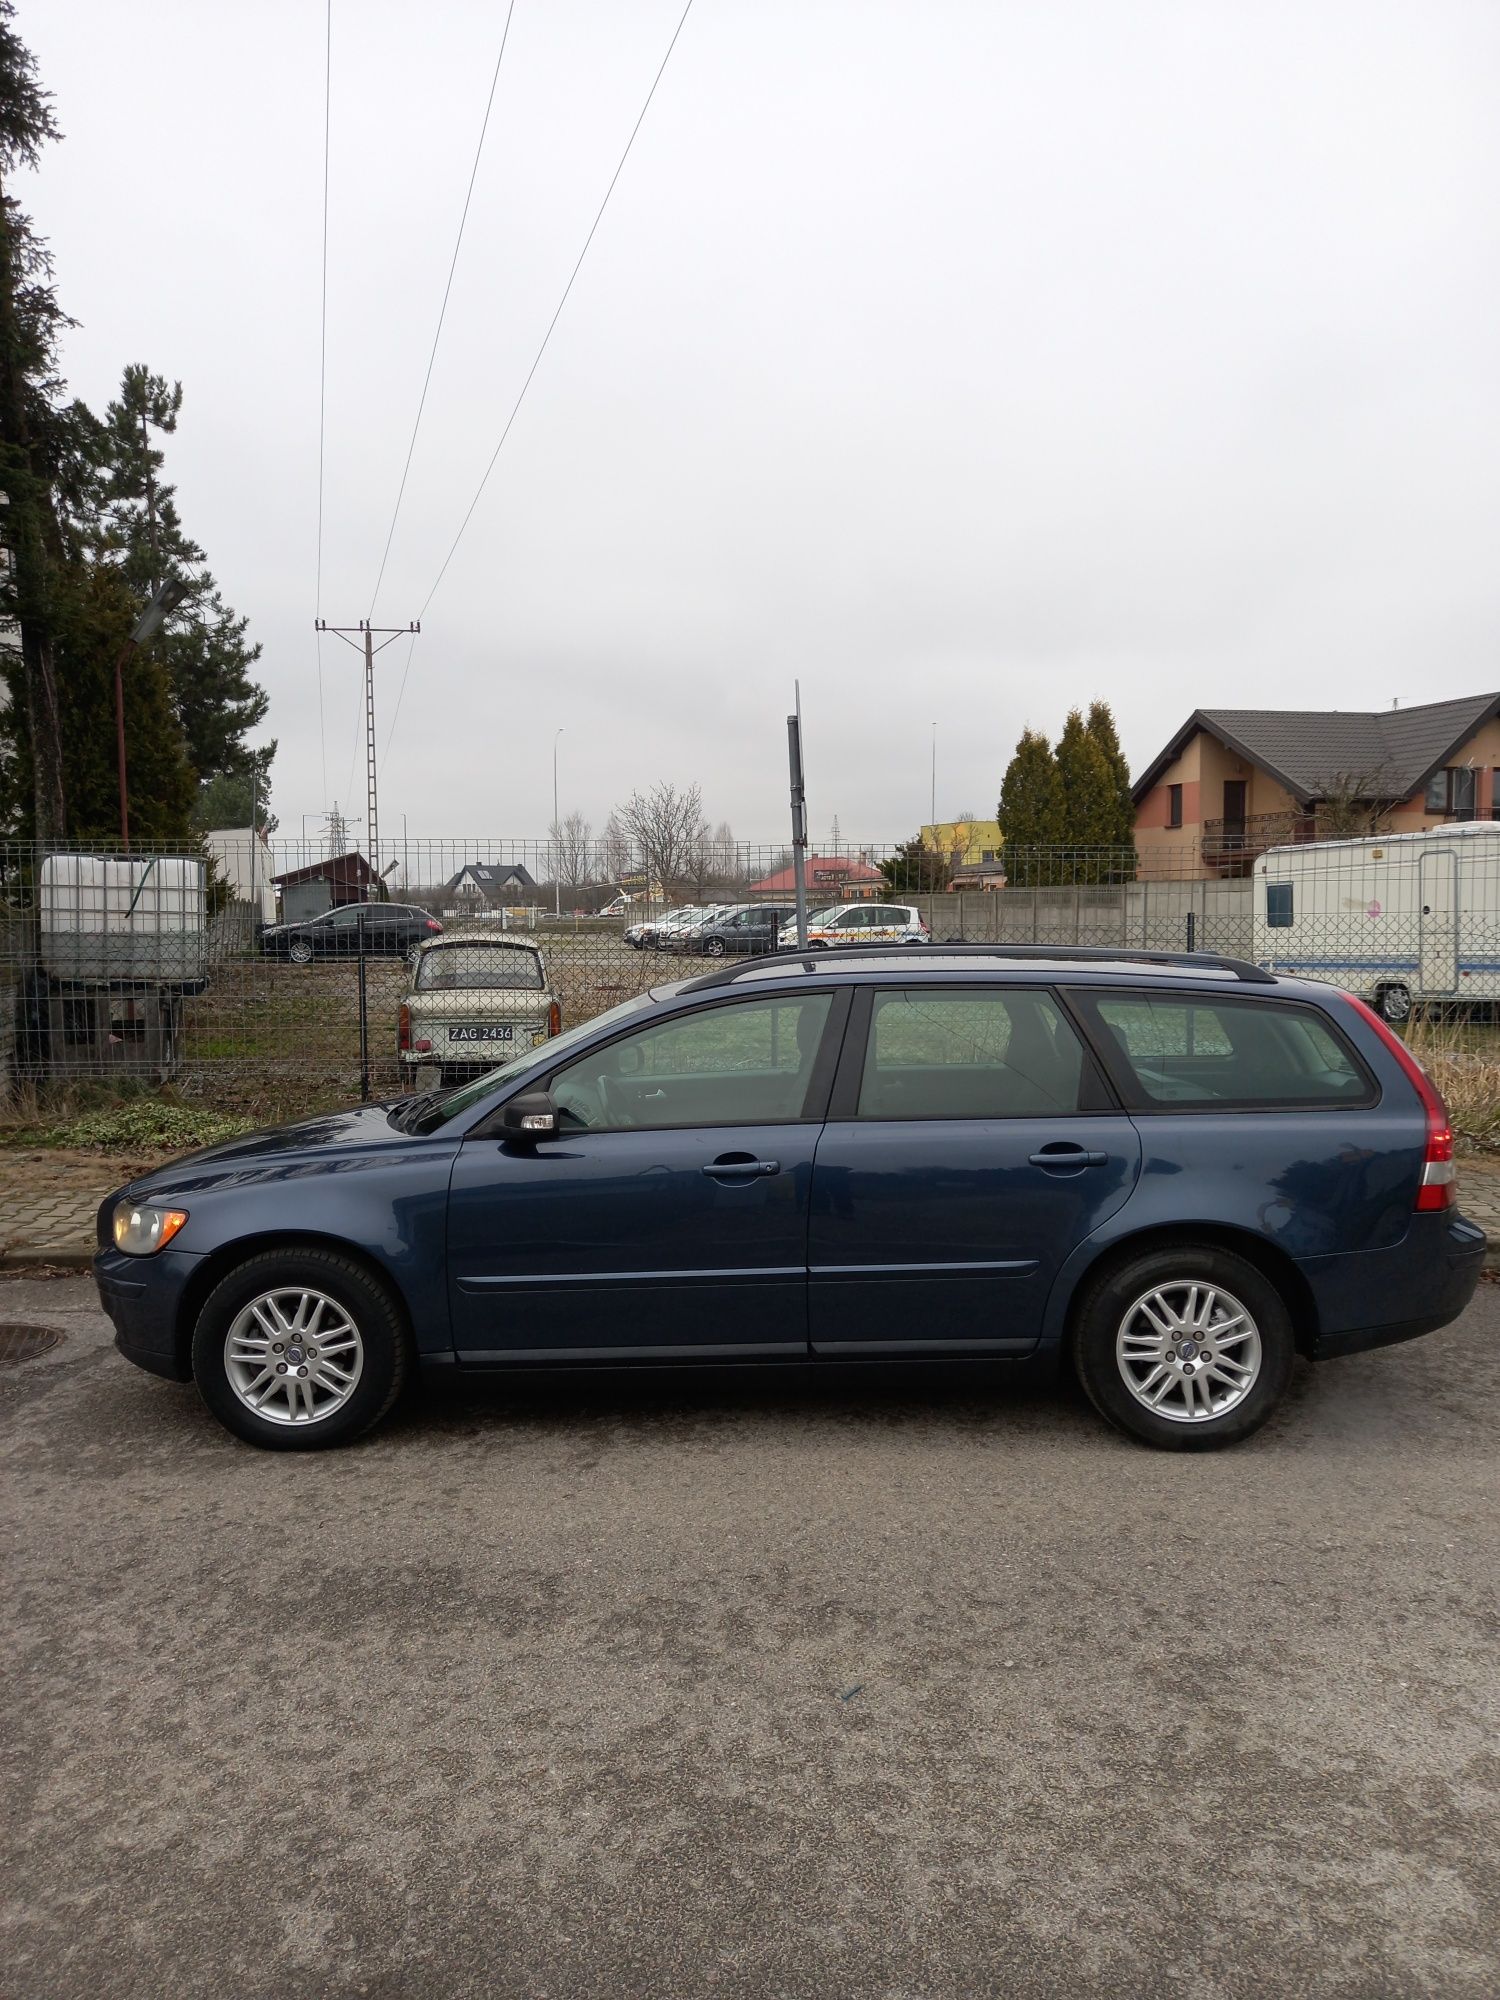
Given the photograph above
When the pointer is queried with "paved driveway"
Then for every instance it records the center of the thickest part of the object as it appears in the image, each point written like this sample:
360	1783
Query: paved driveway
863	1686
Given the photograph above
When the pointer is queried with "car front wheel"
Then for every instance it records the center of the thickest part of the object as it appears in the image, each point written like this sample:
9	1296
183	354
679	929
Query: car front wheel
1185	1348
299	1349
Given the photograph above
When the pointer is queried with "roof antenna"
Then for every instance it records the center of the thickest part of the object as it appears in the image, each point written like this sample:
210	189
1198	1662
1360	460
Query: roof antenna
1395	701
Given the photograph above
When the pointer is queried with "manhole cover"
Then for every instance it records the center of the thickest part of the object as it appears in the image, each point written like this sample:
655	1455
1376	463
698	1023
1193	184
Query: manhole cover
25	1343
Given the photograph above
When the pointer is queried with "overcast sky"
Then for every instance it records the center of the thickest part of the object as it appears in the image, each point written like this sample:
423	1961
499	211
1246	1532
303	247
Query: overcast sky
969	361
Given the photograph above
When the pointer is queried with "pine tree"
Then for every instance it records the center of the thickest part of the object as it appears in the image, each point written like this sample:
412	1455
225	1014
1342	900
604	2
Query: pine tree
1088	798
207	654
1119	826
1031	811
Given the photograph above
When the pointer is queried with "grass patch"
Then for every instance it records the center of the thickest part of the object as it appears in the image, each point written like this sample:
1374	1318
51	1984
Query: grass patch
136	1125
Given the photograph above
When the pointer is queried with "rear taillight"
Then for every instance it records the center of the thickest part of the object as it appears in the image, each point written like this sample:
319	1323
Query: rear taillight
1438	1187
554	1019
433	924
403	1027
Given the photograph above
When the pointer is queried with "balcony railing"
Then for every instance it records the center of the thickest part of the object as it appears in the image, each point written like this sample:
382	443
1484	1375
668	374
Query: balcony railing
1228	843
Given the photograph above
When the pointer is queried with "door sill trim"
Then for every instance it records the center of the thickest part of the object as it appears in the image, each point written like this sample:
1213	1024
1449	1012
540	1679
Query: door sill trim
505	1357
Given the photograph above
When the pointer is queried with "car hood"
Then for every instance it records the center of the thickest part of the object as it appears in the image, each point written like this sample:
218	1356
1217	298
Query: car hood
313	1145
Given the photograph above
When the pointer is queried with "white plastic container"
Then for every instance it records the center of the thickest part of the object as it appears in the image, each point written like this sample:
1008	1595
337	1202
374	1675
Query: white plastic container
127	920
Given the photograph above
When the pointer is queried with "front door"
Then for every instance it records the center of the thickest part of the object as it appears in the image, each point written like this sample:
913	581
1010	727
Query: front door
1439	922
668	1218
970	1149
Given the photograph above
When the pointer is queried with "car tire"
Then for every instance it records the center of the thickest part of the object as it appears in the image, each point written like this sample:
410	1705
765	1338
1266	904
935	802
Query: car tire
300	952
1124	1358
715	948
1393	1004
378	1355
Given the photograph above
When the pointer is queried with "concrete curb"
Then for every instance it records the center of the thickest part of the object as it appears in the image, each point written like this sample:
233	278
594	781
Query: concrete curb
28	1257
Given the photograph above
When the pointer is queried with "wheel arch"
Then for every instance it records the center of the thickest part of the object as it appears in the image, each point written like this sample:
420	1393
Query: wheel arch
218	1264
1272	1262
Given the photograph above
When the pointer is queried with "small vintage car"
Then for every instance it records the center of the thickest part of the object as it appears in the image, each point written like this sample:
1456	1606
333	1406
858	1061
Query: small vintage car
477	999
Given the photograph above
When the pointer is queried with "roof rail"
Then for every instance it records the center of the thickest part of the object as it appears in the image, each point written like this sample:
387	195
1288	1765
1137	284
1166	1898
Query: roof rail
813	961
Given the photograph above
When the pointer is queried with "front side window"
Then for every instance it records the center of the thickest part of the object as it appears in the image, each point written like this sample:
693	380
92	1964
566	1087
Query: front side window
748	1063
969	1054
449	968
343	919
1170	1051
1278	905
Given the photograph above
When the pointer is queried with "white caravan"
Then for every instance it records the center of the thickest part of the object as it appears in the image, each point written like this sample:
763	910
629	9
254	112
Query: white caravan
1395	918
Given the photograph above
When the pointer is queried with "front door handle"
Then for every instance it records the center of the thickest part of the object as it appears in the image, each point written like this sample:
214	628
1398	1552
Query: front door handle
737	1167
1069	1157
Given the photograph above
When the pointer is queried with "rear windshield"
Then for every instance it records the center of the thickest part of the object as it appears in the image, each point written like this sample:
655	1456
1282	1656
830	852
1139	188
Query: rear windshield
1169	1050
447	967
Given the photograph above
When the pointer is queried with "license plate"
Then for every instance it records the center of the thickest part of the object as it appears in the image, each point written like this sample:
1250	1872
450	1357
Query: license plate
482	1034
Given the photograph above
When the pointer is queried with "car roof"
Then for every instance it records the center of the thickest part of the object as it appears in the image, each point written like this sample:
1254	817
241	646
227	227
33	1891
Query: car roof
953	963
479	937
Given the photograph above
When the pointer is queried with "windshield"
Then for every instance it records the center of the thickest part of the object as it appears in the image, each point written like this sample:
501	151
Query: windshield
443	968
455	1101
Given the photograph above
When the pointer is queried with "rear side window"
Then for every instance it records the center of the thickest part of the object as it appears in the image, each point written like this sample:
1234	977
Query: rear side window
1168	1051
977	1054
1278	905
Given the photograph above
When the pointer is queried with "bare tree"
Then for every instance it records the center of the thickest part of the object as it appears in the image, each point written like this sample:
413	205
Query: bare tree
666	828
572	850
614	850
1354	803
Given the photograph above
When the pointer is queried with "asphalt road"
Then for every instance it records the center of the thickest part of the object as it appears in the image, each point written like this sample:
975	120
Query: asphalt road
752	1686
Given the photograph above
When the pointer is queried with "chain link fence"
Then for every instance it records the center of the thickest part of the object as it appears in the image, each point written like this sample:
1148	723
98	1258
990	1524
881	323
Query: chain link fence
268	978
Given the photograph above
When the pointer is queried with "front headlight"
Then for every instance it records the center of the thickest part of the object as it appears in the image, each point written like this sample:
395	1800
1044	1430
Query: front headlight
141	1231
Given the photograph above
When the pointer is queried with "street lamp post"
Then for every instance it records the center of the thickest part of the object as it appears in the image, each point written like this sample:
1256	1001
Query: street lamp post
556	834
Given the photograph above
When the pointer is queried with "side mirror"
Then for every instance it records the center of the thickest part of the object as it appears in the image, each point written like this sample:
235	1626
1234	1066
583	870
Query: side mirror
532	1115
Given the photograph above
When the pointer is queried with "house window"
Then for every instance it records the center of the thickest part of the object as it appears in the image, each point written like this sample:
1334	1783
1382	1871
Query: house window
1452	792
1174	805
1278	905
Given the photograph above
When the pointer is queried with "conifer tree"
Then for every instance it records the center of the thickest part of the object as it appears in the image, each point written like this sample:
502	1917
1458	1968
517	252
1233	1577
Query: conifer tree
1031	811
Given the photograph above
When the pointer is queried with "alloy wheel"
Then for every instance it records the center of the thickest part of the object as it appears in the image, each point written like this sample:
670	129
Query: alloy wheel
1188	1351
293	1356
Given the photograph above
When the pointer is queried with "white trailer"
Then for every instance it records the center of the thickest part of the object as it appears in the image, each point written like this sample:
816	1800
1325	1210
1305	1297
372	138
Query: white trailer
1396	918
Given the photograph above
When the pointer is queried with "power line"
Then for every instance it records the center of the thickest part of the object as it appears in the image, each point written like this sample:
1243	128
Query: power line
443	309
400	692
462	526
323	367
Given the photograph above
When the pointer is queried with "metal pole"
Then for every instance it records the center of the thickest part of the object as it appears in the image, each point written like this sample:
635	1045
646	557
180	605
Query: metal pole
254	858
120	743
405	858
934	784
364	1024
799	817
556	834
373	820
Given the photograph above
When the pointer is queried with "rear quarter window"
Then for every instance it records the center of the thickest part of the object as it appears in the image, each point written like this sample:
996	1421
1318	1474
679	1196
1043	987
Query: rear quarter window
1168	1051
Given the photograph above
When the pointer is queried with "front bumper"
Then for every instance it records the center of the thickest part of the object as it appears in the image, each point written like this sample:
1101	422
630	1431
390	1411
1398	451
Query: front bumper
143	1297
1430	1281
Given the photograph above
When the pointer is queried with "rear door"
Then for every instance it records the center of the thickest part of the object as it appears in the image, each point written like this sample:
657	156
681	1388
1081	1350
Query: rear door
972	1144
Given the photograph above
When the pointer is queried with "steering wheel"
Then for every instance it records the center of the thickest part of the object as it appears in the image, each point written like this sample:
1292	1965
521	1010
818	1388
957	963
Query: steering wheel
612	1103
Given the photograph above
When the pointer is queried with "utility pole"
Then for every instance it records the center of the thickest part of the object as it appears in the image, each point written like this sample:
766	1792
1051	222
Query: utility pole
556	834
365	643
799	817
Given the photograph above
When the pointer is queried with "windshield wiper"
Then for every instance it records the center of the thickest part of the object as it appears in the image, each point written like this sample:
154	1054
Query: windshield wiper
406	1119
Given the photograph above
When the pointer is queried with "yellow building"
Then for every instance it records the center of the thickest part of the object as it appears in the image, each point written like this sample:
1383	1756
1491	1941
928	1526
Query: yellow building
973	848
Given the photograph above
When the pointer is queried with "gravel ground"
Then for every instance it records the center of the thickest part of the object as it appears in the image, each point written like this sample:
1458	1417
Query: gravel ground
888	1685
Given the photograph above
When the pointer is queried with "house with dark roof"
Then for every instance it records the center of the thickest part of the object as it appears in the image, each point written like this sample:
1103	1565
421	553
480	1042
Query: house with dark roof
490	882
1234	781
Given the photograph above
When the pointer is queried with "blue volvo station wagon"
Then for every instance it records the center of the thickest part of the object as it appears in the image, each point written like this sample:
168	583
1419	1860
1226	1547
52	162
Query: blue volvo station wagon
1172	1174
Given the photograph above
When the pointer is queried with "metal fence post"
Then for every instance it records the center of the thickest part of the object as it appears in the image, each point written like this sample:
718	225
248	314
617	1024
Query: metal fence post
364	1028
1192	930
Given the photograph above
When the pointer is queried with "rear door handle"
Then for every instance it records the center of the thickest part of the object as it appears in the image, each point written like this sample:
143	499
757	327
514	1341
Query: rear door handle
1069	1156
741	1169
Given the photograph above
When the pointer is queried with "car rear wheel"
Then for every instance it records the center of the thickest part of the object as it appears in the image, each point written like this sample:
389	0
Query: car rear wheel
1184	1347
299	1349
300	951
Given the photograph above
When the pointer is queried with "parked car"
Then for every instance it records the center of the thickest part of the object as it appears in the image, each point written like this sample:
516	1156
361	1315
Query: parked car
861	923
1172	1176
754	927
681	932
642	935
477	998
374	930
